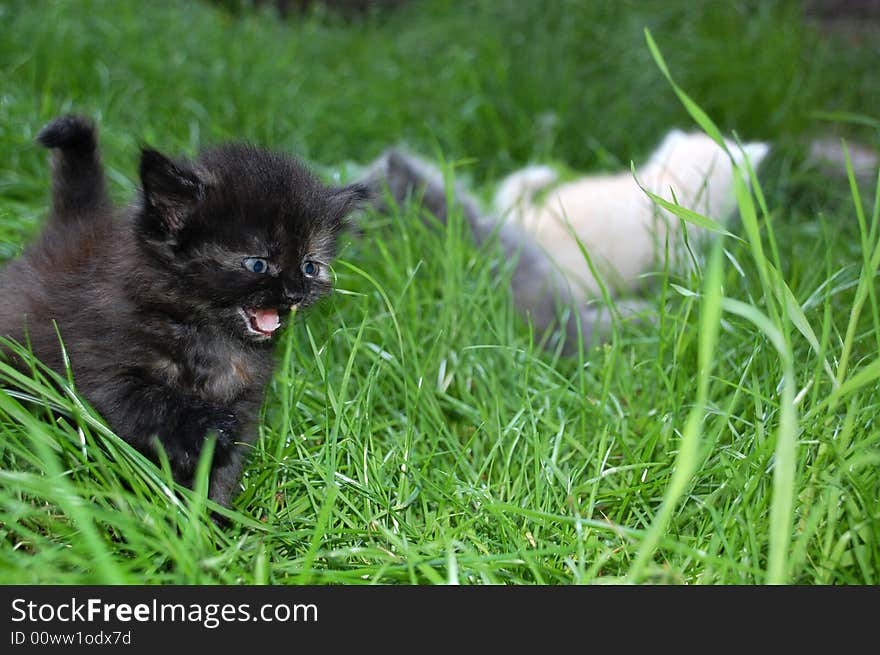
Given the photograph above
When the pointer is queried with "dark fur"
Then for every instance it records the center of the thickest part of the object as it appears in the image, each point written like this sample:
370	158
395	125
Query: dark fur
146	298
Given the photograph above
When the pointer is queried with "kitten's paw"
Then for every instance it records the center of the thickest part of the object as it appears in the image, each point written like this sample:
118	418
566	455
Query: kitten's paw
224	425
199	424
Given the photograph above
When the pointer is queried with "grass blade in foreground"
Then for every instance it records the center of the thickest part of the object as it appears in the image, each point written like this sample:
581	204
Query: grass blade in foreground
687	461
774	329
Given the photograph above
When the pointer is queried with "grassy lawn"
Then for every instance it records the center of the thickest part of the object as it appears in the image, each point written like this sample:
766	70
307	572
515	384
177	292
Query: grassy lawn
413	432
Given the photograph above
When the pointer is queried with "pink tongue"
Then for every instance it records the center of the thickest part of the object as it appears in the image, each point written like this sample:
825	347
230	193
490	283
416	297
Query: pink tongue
266	319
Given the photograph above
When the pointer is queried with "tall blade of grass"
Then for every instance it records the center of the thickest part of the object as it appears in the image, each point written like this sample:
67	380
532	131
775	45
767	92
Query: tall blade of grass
872	237
687	461
785	453
865	287
753	233
683	212
795	314
701	117
867	233
774	328
782	500
783	293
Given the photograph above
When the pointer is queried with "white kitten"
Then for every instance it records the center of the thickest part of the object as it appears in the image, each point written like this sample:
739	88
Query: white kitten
618	225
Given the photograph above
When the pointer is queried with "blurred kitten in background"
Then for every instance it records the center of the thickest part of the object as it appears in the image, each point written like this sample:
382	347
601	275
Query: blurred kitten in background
542	228
619	226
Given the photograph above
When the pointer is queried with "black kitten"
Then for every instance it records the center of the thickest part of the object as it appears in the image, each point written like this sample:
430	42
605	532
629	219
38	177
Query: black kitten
167	309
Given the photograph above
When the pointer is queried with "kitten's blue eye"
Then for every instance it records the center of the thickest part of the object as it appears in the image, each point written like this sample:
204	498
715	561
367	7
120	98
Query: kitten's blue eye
255	264
309	268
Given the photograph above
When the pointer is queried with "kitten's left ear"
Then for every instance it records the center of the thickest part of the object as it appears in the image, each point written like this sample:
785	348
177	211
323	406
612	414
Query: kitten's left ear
344	200
171	188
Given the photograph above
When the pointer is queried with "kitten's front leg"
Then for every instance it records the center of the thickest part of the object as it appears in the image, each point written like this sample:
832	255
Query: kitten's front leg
226	474
141	410
198	422
225	478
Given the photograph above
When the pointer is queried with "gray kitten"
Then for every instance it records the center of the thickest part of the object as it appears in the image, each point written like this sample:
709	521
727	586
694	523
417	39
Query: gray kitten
540	289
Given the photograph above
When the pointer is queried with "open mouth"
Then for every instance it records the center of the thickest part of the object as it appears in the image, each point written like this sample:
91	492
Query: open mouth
261	323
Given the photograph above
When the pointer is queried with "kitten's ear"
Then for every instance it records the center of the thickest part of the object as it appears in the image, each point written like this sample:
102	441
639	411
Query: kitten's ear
756	151
673	139
171	189
344	200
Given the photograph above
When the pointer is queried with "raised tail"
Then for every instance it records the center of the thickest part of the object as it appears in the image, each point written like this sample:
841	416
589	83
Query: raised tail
78	185
519	188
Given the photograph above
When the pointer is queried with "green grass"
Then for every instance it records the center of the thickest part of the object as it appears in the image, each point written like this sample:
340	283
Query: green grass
413	433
